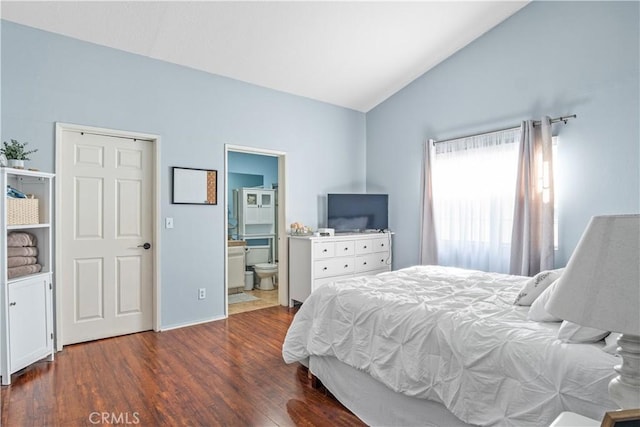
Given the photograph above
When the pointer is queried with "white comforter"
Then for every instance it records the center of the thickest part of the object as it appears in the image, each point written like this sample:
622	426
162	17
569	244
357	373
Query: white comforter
454	336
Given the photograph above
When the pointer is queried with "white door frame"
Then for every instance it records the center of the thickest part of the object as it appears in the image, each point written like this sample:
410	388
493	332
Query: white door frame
281	238
157	184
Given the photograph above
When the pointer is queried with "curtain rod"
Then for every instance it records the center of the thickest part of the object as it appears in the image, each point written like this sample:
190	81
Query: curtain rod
563	119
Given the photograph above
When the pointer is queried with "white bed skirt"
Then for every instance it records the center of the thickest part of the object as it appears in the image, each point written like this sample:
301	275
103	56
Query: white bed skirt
373	402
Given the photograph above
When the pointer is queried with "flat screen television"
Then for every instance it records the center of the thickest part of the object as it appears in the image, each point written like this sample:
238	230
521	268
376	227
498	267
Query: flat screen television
357	212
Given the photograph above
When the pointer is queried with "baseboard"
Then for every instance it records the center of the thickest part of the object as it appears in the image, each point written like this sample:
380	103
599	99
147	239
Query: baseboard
199	322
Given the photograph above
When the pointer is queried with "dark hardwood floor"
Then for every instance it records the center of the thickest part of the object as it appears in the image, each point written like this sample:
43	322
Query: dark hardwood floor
229	372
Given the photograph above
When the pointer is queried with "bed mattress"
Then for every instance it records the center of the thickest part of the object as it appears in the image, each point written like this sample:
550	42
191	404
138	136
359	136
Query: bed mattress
453	336
376	404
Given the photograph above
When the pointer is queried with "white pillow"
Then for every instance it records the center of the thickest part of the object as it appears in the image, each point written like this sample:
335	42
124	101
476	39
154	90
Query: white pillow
536	285
574	333
611	343
537	312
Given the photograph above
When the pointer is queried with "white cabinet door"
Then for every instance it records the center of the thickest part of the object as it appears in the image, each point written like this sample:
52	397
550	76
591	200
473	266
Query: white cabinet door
251	207
266	199
266	215
258	206
30	321
235	267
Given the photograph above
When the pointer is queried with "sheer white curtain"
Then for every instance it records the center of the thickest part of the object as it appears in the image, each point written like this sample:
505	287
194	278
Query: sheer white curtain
473	183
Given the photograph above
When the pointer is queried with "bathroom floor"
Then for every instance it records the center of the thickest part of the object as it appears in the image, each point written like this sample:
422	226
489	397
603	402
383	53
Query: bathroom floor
267	299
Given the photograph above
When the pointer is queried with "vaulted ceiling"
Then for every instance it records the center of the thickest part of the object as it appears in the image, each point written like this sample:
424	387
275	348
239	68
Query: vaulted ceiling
351	54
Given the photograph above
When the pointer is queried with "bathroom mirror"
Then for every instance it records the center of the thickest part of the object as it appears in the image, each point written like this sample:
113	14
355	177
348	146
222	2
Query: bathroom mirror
194	186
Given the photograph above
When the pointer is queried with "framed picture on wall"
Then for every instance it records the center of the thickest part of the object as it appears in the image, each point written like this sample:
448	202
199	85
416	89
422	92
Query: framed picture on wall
193	186
622	418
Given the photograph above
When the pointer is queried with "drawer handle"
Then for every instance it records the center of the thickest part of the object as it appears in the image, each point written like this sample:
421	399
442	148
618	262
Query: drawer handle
324	250
365	246
382	260
346	249
11	304
382	245
346	266
324	268
364	263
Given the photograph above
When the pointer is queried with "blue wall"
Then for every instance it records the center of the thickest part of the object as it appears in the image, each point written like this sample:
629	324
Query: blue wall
257	164
550	58
47	78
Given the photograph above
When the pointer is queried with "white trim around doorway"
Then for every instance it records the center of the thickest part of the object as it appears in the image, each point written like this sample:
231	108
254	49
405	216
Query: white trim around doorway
282	241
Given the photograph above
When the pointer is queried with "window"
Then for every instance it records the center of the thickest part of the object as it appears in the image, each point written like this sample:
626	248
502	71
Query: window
473	183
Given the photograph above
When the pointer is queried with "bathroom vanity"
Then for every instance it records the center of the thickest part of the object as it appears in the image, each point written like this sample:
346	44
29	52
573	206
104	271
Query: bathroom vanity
236	265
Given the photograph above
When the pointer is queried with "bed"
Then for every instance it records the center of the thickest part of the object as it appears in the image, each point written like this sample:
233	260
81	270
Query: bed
442	346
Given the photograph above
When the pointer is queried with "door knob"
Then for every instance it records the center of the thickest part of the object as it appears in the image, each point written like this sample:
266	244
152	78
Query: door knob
147	245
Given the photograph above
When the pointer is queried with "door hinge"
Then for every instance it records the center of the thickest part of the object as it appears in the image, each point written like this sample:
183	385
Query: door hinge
50	286
51	335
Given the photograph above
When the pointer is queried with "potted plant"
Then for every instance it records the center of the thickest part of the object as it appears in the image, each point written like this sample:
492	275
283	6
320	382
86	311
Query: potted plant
16	153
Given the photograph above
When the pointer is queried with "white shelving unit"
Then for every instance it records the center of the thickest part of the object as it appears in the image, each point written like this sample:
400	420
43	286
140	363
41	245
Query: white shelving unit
27	301
256	211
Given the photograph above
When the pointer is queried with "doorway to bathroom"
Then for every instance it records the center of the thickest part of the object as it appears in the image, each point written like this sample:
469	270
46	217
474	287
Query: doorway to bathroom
255	275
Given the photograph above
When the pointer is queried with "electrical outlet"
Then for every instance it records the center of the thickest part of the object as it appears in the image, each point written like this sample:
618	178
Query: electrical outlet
202	293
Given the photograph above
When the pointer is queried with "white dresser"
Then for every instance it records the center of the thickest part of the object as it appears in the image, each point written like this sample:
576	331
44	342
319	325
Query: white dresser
316	261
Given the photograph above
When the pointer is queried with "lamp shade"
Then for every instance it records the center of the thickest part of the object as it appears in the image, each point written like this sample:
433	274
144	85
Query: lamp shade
600	286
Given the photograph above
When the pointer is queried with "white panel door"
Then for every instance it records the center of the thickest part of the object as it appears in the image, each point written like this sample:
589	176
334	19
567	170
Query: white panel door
106	278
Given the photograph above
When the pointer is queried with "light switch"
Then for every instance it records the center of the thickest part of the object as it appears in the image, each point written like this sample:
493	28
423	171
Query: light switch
168	222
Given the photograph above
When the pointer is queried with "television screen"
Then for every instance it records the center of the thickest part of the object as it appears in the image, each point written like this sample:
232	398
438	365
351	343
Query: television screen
357	212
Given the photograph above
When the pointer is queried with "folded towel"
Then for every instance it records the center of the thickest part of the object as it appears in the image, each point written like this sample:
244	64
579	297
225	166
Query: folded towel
23	270
17	261
21	238
15	194
22	251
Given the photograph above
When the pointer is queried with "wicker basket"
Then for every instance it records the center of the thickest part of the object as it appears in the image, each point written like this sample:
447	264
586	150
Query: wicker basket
22	211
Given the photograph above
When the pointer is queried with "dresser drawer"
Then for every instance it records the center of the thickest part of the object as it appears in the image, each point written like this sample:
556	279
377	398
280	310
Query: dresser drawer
363	246
333	249
323	250
334	267
379	244
346	248
375	261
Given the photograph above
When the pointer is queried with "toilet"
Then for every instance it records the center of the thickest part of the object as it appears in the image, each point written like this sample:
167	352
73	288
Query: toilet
265	272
